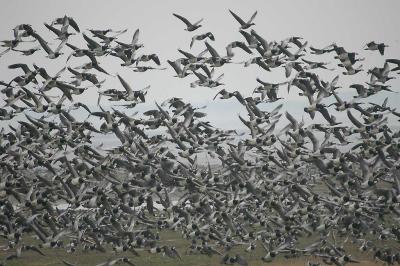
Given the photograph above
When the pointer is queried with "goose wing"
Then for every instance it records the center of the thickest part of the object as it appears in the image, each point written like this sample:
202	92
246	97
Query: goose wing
252	17
175	66
353	119
73	24
184	20
125	85
42	42
24	67
135	37
237	18
91	42
201	77
56	31
198	22
60	46
65	88
212	51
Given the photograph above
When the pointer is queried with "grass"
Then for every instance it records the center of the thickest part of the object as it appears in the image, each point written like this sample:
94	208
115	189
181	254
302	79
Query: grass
54	255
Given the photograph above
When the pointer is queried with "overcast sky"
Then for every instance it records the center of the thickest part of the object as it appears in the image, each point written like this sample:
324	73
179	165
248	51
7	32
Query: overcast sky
348	23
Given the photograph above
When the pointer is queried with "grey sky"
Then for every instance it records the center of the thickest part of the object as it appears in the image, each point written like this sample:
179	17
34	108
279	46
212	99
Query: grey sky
348	23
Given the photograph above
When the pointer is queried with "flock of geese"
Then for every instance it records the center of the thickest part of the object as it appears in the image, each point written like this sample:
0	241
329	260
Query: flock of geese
336	182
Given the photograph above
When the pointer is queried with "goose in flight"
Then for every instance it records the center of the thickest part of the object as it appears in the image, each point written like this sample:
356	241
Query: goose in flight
244	25
134	44
176	65
12	98
27	78
206	81
259	61
28	52
373	46
350	70
396	62
76	52
104	32
126	55
79	77
145	68
202	37
146	58
38	107
4	115
50	53
380	74
268	89
93	62
130	94
251	39
192	59
189	26
314	65
63	32
216	60
10	45
224	94
66	20
319	51
26	28
96	48
295	56
108	39
235	44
